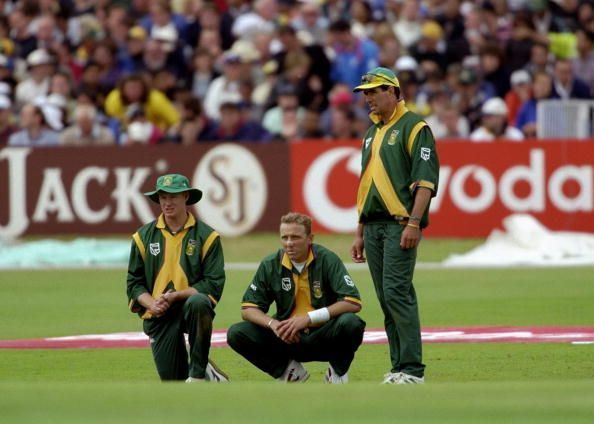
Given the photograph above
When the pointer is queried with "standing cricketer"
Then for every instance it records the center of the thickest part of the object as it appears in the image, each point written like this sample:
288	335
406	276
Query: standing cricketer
316	310
175	279
400	171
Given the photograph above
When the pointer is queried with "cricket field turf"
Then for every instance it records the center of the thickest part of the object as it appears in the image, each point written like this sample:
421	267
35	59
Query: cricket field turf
466	382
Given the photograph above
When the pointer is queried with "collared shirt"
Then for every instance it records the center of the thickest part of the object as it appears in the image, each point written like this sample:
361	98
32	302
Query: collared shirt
161	261
323	281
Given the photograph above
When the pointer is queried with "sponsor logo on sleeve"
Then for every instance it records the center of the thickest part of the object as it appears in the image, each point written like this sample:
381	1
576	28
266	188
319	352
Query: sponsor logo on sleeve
349	281
425	153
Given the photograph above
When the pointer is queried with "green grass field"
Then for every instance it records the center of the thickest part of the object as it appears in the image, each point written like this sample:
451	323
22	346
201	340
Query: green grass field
483	382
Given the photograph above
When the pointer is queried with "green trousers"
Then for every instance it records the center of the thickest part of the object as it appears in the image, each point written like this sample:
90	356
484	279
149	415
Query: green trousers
168	344
335	342
392	270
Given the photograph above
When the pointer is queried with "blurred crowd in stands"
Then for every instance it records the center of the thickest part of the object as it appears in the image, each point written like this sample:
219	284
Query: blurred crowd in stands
82	72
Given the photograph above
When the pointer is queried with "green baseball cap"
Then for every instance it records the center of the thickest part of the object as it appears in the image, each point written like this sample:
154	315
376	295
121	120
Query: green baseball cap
174	183
376	78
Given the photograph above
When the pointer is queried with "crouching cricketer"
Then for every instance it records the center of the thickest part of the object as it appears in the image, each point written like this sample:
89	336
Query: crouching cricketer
316	310
175	279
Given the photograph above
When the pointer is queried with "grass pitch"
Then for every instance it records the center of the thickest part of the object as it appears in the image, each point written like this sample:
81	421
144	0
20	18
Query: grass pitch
465	382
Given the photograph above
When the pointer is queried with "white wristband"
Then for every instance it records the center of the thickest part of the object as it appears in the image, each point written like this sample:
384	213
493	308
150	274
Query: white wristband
319	316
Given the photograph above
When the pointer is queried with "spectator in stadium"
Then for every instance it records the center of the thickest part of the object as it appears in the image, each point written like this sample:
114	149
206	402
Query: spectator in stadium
194	124
540	59
307	65
316	303
35	131
519	48
133	89
470	92
311	19
175	279
494	124
20	32
407	24
284	119
431	46
565	84
233	125
224	85
542	88
310	127
161	18
131	56
262	17
352	55
583	64
446	121
493	70
40	66
202	72
520	92
393	199
7	126
86	130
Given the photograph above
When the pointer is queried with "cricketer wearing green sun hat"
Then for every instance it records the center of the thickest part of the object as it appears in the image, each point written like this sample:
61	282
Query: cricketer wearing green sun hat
377	77
176	276
174	183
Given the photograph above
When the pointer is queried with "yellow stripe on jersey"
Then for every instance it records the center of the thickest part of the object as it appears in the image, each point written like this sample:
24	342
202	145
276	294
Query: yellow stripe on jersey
171	269
413	135
422	183
375	173
139	244
352	300
208	243
249	305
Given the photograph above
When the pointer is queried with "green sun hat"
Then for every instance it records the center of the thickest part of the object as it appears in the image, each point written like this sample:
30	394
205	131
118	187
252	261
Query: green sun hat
376	78
174	183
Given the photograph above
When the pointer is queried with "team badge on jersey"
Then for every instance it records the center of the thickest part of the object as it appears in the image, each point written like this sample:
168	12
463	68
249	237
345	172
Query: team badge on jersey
286	284
155	248
317	289
425	153
191	247
349	281
367	141
393	136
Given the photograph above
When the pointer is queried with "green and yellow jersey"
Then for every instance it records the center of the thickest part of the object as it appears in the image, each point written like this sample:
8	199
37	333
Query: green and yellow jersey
397	157
323	281
161	261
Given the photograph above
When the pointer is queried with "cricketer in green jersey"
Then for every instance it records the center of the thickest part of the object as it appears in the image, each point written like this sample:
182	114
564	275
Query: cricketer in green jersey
316	305
175	279
400	172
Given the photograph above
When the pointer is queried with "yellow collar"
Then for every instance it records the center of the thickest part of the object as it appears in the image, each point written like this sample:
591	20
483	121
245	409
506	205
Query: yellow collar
190	222
399	110
286	261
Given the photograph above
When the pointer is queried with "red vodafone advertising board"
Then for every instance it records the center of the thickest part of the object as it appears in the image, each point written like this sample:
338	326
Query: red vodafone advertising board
480	184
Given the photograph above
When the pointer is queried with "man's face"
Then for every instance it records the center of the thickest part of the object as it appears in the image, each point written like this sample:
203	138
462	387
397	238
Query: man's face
173	205
295	241
379	101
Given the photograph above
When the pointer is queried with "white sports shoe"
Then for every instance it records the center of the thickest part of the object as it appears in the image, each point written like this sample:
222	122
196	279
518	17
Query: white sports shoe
410	379
333	378
392	378
214	373
295	373
402	378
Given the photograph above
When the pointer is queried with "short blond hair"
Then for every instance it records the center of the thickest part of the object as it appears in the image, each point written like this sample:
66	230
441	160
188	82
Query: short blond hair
297	218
